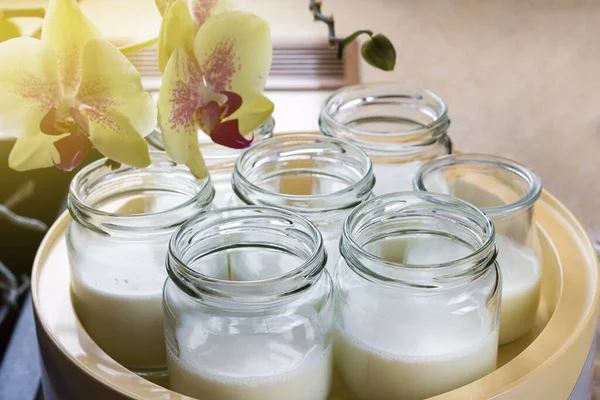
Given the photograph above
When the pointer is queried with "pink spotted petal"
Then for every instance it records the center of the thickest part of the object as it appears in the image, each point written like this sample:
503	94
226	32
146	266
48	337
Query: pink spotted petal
72	150
234	102
201	9
228	134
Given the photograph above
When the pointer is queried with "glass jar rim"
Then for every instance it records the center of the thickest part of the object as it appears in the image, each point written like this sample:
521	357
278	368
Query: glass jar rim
480	259
363	186
525	174
82	212
189	279
394	90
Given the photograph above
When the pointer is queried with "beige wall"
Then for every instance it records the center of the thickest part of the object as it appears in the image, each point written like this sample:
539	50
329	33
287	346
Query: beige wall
521	78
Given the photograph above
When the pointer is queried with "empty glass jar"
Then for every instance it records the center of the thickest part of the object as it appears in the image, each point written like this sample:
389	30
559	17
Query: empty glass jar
417	296
506	191
219	159
122	221
321	178
248	307
399	127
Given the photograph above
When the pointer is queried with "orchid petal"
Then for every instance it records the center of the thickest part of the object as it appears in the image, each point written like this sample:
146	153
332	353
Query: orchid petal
111	85
209	117
176	31
35	152
195	161
163	5
228	134
177	103
72	150
114	136
253	113
234	51
67	30
234	102
48	123
182	92
202	9
28	86
8	30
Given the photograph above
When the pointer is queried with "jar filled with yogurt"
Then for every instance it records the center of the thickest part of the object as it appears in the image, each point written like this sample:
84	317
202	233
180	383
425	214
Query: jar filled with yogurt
219	159
318	177
506	191
417	297
249	307
400	127
122	220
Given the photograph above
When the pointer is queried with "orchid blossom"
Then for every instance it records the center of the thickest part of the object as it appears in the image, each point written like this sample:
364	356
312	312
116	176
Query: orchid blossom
214	70
69	91
202	9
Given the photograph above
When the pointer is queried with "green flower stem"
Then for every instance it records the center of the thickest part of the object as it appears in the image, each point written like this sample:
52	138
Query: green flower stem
377	51
356	34
131	48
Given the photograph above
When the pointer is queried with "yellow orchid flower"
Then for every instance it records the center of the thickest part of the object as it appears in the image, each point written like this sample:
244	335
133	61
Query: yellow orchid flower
69	91
201	9
212	80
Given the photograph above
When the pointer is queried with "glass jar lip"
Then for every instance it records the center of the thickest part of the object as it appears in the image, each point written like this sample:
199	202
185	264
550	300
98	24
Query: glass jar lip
486	251
311	267
78	203
534	182
404	90
364	184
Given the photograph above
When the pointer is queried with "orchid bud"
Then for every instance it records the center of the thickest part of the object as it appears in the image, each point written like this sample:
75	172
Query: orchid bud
379	52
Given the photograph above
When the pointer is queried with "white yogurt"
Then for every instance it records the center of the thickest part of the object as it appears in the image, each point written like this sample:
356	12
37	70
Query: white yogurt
522	275
124	317
117	285
520	268
403	344
372	373
248	368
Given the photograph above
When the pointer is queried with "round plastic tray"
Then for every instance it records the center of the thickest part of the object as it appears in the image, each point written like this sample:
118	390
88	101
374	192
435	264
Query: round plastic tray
545	364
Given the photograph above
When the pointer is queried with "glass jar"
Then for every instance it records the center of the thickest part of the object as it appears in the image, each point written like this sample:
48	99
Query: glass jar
417	295
248	307
122	220
400	127
506	191
219	159
320	178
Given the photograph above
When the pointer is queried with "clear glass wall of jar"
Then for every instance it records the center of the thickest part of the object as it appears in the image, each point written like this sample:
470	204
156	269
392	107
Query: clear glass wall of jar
400	127
117	240
249	307
417	295
219	159
321	178
506	191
